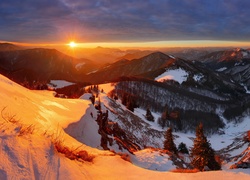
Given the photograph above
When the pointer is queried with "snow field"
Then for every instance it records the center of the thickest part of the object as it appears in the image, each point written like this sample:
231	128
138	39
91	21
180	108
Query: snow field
60	83
178	75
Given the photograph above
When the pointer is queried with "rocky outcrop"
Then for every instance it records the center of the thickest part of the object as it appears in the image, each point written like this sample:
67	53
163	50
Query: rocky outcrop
111	133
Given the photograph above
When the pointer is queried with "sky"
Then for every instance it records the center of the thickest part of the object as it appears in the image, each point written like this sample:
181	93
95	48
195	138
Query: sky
138	22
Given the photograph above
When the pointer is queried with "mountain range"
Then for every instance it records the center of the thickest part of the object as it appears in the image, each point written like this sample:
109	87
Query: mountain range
219	77
210	87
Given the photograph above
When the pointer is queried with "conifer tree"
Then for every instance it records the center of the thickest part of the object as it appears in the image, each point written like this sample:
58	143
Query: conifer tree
182	148
169	142
124	99
202	154
149	115
162	121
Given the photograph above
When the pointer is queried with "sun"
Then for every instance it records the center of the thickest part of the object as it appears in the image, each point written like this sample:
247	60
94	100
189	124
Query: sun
72	44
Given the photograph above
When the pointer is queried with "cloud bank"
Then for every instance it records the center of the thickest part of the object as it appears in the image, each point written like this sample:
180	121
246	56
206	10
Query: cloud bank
124	21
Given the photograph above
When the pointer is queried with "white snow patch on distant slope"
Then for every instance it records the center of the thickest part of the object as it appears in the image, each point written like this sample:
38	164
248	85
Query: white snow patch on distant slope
171	56
79	65
60	83
92	72
178	75
244	54
247	91
198	77
221	69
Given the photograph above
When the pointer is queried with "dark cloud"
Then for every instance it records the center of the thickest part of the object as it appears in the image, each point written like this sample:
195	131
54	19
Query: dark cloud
127	20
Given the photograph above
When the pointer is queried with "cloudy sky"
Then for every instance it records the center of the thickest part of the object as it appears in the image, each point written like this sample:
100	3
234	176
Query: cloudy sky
57	21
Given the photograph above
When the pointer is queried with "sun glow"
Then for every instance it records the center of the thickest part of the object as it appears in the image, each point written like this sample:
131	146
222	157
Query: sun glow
72	44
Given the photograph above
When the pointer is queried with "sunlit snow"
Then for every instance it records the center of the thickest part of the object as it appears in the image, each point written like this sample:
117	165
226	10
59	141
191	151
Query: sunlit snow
153	160
33	156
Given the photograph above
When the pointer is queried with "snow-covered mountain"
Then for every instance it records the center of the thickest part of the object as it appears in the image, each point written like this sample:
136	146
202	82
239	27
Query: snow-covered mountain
31	131
51	138
192	79
231	142
154	66
234	63
191	53
134	67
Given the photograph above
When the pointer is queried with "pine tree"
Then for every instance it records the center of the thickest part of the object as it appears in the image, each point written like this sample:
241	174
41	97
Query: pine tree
202	153
182	148
169	142
131	103
124	99
92	98
162	121
149	115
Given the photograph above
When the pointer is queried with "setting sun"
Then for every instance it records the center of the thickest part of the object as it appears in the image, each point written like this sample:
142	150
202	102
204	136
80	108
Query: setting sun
72	44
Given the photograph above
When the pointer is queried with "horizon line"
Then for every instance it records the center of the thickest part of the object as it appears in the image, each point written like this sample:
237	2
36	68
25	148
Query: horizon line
150	45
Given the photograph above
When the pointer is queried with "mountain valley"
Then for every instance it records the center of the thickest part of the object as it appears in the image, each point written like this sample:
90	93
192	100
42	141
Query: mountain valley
103	110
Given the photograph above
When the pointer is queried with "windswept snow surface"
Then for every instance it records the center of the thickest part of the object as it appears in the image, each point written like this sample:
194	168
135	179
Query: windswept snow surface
153	160
33	156
178	75
232	131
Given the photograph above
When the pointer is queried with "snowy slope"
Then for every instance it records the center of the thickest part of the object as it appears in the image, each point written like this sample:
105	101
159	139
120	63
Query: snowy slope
153	160
30	154
59	83
178	75
231	141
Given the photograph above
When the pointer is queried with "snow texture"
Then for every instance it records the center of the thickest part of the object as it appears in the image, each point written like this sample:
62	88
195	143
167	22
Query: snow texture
178	75
221	69
153	160
60	83
79	65
33	156
198	77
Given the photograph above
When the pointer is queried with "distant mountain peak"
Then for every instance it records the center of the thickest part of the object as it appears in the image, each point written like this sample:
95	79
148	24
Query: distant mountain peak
155	55
230	55
9	47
